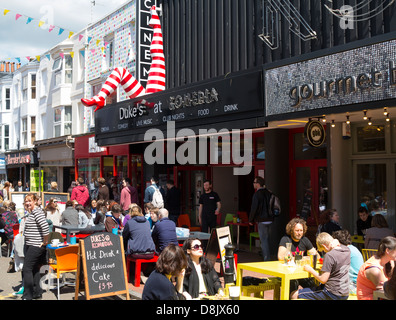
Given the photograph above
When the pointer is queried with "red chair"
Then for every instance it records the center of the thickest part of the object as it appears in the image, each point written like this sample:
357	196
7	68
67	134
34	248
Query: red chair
184	220
138	267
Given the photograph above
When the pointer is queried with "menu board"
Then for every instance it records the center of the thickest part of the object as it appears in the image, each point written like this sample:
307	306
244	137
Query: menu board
18	198
62	198
102	265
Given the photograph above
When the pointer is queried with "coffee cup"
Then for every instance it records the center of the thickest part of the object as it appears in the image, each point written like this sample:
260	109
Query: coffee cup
55	242
234	292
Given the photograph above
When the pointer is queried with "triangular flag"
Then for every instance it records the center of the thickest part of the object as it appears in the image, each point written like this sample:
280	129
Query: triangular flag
6	11
60	31
29	20
93	51
82	52
38	58
70	34
51	28
48	56
89	39
28	58
106	43
41	23
72	54
62	55
80	37
17	16
97	42
18	59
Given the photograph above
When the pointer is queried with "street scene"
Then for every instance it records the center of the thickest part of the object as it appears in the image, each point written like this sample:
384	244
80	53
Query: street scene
198	150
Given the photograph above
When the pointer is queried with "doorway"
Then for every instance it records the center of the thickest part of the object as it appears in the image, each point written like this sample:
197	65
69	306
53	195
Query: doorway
308	178
189	180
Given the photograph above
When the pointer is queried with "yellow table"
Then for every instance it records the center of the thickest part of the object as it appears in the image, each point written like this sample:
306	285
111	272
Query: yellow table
276	269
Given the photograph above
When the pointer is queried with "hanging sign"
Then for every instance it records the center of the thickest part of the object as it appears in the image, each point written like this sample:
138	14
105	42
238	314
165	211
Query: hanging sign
315	133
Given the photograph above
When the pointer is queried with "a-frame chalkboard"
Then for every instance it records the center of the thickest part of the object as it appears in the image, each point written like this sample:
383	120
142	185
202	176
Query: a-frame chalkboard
219	237
102	266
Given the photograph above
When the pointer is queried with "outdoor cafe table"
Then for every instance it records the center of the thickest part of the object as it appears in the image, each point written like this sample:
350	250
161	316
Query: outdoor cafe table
238	224
276	269
76	229
195	235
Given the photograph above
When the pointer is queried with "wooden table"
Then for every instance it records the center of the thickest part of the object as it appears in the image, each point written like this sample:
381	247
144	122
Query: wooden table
276	269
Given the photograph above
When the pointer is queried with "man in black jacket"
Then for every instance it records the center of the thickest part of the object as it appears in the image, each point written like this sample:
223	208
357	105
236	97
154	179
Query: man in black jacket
172	201
259	213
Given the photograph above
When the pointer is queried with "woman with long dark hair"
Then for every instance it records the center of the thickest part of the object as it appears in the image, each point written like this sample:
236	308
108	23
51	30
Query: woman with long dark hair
201	278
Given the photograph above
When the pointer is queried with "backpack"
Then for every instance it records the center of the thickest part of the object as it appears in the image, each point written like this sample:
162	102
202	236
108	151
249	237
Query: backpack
157	200
274	206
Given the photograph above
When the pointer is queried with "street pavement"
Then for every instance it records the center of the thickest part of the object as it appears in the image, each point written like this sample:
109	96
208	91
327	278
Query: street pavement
11	282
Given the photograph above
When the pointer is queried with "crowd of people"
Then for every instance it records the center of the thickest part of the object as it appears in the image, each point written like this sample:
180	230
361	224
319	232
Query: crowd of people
184	272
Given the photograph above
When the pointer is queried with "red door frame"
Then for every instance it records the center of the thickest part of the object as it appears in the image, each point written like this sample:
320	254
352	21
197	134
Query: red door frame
314	165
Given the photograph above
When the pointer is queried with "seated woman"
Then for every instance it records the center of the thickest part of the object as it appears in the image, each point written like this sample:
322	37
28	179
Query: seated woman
114	220
329	222
374	271
137	235
84	217
172	262
200	278
379	230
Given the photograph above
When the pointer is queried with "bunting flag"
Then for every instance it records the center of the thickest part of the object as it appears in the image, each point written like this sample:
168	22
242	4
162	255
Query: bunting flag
62	55
29	20
6	11
60	31
41	23
38	58
17	16
70	34
48	56
51	27
72	54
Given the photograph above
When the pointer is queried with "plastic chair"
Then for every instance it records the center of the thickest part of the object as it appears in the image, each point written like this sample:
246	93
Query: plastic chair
243	215
184	220
368	253
254	235
66	261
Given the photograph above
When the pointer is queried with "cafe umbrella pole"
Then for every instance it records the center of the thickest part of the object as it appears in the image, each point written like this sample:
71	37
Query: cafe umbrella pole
229	264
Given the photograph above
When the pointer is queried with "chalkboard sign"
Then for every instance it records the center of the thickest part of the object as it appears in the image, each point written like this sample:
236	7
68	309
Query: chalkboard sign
62	198
18	198
306	206
216	246
102	264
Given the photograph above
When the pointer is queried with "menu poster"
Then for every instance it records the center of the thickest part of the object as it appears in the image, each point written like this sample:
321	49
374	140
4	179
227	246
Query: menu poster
18	197
61	198
102	264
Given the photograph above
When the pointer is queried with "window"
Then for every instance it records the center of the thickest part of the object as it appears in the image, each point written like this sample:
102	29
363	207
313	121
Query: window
371	138
81	65
33	130
57	69
43	89
63	121
6	137
68	120
68	69
109	51
24	88
33	86
24	131
7	99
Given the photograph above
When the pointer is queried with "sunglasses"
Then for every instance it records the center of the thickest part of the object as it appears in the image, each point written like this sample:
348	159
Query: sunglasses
196	247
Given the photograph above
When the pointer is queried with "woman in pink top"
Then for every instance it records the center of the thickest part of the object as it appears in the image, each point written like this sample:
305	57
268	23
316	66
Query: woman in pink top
376	270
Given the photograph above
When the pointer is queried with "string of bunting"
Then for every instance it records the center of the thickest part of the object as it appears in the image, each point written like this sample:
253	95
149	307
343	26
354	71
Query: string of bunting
41	23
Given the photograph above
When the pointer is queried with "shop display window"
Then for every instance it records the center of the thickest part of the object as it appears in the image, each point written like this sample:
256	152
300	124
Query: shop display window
89	169
371	138
303	151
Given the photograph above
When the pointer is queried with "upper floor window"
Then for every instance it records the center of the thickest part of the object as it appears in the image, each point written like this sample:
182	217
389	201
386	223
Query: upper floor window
24	88
7	99
6	137
109	50
62	121
68	69
24	131
33	86
32	129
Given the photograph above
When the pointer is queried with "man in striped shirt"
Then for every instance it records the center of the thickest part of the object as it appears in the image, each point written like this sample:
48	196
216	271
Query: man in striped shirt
36	237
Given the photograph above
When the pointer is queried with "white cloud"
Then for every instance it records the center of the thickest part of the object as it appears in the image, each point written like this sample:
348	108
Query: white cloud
18	39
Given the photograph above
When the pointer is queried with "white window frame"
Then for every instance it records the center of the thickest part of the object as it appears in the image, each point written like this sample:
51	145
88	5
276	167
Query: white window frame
25	85
33	88
24	131
68	69
62	123
7	100
6	137
109	50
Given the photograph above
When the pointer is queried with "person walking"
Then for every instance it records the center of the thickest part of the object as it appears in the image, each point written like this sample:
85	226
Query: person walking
209	207
259	212
129	194
104	193
172	201
80	193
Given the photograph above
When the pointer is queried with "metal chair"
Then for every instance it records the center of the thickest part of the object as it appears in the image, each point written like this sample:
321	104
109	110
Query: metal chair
66	261
368	253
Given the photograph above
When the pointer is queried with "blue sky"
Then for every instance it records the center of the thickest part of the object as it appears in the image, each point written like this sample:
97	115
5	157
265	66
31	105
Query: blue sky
19	39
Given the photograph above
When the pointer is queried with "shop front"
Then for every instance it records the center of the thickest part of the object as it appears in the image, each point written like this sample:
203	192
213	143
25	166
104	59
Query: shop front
56	163
113	163
208	130
19	165
337	107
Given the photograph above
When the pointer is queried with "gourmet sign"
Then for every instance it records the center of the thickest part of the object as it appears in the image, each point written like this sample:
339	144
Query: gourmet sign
361	75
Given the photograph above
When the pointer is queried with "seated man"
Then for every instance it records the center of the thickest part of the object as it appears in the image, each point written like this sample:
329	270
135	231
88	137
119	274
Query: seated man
70	215
164	231
334	275
295	234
